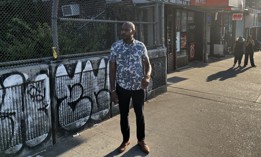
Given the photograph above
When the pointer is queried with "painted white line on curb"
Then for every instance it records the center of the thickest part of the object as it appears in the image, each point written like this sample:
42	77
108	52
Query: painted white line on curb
258	99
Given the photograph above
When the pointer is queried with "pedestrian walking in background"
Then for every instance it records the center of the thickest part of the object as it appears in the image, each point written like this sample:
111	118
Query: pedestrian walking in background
238	51
249	51
130	72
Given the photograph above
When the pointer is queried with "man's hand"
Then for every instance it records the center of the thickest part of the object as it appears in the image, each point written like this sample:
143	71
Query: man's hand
145	82
114	97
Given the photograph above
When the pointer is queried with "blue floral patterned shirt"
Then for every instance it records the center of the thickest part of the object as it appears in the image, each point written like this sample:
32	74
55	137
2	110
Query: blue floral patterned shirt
129	63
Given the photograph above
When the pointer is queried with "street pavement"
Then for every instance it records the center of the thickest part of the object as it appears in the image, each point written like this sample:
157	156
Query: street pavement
209	110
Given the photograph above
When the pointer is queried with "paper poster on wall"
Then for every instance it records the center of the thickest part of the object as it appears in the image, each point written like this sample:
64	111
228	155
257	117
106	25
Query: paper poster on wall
178	42
192	51
183	40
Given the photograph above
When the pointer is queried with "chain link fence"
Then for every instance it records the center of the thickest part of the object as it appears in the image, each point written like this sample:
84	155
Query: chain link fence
25	29
82	27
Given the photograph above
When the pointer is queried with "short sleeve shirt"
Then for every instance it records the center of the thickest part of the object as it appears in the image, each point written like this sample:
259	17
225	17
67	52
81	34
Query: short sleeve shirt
129	63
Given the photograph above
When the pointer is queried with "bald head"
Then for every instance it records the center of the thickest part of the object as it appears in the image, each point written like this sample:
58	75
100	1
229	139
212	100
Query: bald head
128	31
130	24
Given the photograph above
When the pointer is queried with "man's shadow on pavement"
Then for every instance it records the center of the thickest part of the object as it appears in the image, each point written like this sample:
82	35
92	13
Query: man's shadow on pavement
229	73
133	151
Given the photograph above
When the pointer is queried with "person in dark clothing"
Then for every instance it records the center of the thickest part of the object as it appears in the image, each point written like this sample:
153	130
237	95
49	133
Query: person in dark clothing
249	51
238	51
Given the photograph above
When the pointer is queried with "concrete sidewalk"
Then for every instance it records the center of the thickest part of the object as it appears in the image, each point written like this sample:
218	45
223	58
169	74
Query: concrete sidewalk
210	110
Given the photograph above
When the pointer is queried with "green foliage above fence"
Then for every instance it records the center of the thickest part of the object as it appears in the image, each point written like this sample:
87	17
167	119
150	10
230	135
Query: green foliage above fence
24	42
24	30
82	37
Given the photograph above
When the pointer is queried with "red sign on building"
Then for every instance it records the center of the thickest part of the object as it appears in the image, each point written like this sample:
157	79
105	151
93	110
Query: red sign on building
237	16
210	3
224	4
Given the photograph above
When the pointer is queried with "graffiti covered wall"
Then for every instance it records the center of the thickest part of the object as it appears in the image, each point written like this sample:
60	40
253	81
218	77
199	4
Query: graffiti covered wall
36	100
82	95
24	110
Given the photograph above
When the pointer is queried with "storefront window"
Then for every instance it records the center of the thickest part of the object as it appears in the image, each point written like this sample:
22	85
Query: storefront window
178	21
184	21
190	17
181	35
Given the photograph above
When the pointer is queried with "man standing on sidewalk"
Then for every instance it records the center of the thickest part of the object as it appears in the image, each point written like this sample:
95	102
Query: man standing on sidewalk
249	51
130	72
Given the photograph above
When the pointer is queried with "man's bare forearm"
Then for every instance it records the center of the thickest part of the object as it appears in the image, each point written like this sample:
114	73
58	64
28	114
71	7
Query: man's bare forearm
147	68
112	75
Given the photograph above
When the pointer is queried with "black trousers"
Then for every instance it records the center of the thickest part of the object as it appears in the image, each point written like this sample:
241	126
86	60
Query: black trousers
238	58
137	97
251	56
